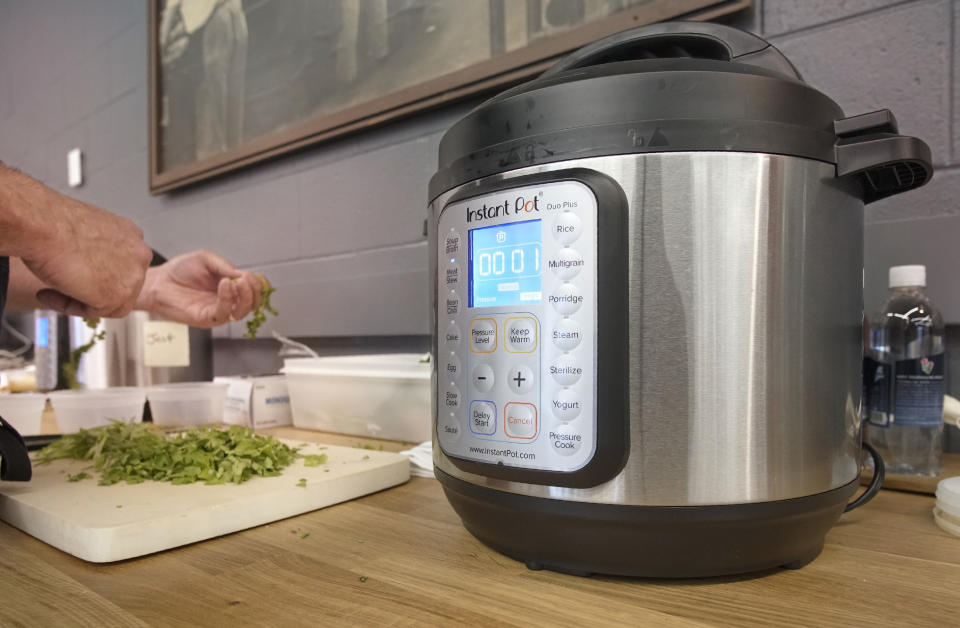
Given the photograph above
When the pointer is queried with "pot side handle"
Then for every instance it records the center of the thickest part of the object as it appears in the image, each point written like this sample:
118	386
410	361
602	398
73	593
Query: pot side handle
870	149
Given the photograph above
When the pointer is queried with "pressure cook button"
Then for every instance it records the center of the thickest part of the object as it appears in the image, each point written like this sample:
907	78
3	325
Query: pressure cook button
566	440
566	405
452	366
567	335
448	427
567	227
566	299
483	335
565	371
452	275
520	420
452	334
451	398
483	377
520	379
453	303
567	264
452	242
521	333
483	418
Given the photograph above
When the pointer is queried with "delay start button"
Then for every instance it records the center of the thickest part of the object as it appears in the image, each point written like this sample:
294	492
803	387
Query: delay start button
483	418
521	333
483	335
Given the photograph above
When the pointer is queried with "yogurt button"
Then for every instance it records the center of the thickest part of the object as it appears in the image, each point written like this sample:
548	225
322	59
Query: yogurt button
566	371
566	299
567	335
566	405
567	227
565	440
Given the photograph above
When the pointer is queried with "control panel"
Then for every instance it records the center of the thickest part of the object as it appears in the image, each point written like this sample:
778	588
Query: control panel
517	327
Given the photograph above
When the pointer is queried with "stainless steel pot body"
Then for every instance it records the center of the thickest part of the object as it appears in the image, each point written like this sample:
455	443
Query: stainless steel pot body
745	310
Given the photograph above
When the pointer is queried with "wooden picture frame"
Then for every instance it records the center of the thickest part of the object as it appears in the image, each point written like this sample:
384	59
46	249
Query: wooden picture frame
178	159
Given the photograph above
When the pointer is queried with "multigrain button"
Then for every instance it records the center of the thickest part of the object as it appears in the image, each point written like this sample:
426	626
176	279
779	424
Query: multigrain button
452	334
520	420
566	405
566	299
566	371
567	227
520	379
483	418
567	335
521	334
483	377
483	335
566	440
566	264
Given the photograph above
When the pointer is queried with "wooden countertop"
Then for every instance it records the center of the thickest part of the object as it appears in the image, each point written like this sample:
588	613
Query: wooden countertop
401	557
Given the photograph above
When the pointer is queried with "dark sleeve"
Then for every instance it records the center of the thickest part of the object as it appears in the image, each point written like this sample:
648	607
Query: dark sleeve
4	281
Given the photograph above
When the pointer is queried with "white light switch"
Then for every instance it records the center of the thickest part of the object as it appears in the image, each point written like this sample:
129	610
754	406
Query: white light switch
74	168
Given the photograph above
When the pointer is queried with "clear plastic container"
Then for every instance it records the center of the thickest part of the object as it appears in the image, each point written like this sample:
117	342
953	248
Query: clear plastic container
381	396
189	403
23	411
83	409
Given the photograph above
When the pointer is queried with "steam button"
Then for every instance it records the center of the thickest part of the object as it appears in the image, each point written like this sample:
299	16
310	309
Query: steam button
567	335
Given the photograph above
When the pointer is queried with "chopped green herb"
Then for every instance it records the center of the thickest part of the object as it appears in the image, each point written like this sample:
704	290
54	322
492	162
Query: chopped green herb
304	535
76	477
259	316
119	506
314	460
72	365
425	359
134	452
326	470
363	578
302	482
370	447
366	458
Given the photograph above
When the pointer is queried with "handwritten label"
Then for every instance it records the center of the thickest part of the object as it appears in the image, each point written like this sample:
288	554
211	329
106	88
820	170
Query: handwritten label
166	344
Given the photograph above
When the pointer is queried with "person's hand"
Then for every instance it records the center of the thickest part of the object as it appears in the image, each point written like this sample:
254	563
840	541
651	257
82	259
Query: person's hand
92	262
200	289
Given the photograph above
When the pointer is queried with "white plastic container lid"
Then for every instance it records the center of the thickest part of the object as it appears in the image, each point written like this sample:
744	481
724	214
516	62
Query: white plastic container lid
901	276
186	391
947	511
391	365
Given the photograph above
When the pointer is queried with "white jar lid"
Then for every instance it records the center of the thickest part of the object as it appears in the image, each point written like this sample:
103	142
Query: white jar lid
900	276
947	511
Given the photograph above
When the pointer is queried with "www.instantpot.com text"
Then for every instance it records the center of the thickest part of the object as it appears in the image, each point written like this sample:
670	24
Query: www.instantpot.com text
504	453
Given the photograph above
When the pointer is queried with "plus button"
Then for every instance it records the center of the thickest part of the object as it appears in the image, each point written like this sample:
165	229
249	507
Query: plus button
520	380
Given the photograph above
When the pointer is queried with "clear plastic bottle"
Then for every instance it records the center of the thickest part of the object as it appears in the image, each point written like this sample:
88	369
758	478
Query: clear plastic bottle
904	377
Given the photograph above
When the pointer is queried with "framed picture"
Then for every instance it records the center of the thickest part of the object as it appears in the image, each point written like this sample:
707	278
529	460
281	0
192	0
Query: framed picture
235	82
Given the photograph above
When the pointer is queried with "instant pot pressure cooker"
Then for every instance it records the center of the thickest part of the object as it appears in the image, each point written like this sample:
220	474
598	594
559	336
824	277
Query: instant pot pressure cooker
647	278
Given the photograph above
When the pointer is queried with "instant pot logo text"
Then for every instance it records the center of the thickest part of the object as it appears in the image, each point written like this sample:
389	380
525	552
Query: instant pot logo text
520	205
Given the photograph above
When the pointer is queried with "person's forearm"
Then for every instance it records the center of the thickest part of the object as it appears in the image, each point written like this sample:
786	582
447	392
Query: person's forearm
24	225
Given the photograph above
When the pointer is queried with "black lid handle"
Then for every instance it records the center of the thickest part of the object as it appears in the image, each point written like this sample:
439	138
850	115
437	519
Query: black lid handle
885	163
14	459
700	40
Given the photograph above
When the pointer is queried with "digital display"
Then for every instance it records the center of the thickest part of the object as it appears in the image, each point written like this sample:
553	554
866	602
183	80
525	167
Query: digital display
505	264
43	332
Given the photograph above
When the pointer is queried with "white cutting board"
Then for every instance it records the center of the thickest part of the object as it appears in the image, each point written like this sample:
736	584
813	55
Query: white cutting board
83	519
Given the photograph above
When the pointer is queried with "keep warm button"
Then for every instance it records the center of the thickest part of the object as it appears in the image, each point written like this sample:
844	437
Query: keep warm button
520	420
521	334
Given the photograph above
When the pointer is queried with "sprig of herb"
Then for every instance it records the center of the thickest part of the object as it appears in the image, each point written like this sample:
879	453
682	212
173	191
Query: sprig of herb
315	460
72	365
76	477
134	452
259	316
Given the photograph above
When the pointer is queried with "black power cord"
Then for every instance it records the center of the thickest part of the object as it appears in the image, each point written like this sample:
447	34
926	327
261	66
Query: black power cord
879	471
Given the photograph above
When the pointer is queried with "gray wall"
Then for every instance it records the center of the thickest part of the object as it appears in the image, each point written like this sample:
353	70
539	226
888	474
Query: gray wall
338	228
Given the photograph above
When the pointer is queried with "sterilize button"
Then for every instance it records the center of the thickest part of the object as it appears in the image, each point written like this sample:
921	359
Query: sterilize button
567	227
567	264
566	440
567	335
483	377
566	299
566	405
520	420
451	398
483	335
521	333
566	371
520	379
483	418
452	334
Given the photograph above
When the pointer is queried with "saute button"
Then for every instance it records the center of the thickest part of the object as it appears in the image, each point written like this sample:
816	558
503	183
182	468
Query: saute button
452	334
483	418
567	227
451	398
483	377
566	405
452	242
567	334
521	334
566	299
520	420
567	264
565	440
449	427
520	379
452	367
483	335
566	371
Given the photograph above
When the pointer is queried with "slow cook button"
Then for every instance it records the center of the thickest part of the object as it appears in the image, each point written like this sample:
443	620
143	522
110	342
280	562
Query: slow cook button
520	420
566	299
453	303
483	418
452	334
567	335
451	398
483	335
567	264
566	440
567	227
566	405
521	333
452	242
565	371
